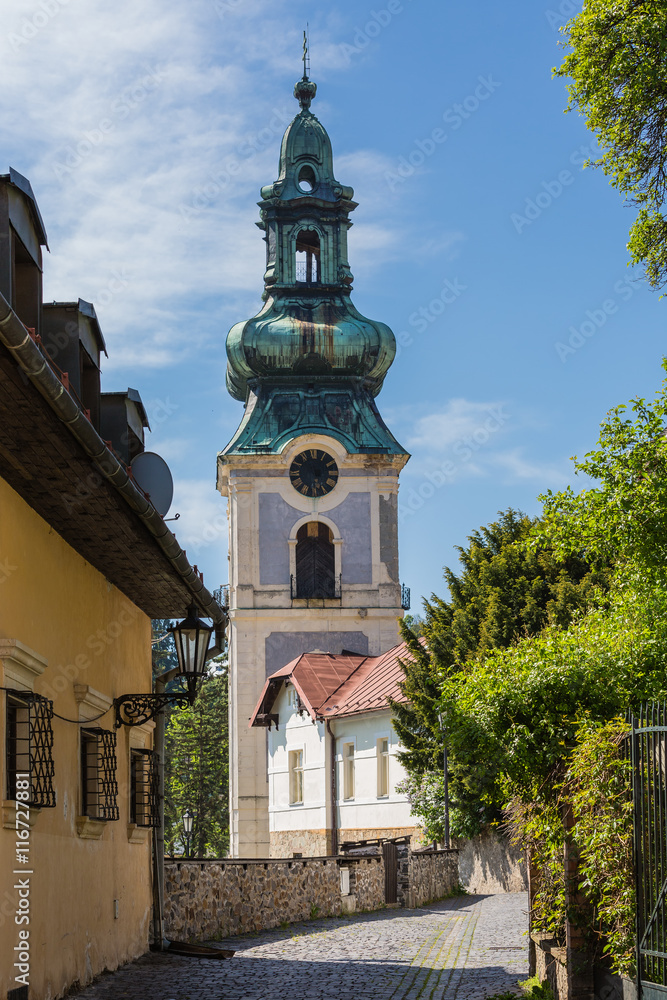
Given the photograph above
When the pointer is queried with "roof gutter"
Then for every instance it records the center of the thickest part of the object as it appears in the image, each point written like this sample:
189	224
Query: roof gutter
16	338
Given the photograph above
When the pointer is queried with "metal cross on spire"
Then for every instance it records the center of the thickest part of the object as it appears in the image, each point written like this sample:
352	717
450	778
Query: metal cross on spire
306	55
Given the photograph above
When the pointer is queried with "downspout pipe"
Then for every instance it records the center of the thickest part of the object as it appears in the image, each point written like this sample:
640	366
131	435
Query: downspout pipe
334	825
160	942
30	359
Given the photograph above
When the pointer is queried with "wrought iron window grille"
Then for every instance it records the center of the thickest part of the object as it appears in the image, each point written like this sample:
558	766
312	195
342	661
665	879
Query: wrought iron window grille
29	746
99	786
144	788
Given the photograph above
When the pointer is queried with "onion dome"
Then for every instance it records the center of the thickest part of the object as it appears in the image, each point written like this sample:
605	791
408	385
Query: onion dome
308	327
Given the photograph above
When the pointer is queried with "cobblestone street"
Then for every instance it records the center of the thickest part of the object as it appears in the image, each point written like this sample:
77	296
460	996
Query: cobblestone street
466	948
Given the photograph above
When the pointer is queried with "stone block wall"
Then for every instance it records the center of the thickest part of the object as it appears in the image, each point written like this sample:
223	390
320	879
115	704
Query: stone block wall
309	843
551	964
431	875
366	881
217	899
210	900
489	863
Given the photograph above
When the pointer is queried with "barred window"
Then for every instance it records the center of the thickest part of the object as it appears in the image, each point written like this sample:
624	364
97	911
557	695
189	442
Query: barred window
99	787
143	787
29	746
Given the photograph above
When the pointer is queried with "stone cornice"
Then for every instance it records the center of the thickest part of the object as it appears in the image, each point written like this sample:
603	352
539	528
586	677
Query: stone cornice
22	665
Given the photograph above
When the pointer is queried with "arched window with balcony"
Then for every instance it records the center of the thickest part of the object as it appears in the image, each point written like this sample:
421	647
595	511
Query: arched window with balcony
308	267
315	562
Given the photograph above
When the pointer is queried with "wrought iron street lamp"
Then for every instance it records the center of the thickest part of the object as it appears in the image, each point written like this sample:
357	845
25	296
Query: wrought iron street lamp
191	639
188	824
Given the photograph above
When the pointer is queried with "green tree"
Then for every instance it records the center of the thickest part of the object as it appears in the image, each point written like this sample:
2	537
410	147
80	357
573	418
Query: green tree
520	707
506	591
623	519
197	768
618	67
162	643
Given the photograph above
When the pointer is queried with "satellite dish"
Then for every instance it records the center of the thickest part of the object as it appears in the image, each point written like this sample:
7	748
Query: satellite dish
151	474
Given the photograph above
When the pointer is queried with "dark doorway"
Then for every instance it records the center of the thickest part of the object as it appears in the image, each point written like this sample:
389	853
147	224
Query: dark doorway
390	855
315	561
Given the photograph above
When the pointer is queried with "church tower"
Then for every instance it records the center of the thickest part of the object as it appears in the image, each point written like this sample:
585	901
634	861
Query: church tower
311	474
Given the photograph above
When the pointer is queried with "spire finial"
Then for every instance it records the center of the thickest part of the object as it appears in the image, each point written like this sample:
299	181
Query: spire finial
306	54
305	89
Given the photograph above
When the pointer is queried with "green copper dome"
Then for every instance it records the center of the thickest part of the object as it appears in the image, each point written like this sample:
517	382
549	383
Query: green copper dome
308	361
308	325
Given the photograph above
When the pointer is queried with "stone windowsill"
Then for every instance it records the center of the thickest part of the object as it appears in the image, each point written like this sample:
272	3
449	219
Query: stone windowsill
9	814
89	828
137	834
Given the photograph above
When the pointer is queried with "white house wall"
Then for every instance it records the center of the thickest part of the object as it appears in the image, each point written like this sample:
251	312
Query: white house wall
298	828
367	811
306	828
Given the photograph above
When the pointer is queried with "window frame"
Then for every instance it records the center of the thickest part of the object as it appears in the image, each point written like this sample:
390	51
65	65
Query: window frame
295	775
349	775
98	765
35	720
382	767
144	794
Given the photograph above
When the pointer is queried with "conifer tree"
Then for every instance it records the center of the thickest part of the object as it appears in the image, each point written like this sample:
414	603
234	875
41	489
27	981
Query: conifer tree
506	590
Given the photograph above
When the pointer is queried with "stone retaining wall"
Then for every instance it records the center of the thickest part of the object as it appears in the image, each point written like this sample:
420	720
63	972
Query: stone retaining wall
489	863
209	900
431	875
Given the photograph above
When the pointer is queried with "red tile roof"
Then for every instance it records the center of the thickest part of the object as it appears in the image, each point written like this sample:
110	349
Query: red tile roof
333	685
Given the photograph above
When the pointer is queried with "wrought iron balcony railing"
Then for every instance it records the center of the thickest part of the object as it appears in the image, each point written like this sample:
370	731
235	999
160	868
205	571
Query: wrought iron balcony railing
322	590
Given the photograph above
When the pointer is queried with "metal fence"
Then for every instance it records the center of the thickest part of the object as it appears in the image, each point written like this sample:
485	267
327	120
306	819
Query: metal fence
649	757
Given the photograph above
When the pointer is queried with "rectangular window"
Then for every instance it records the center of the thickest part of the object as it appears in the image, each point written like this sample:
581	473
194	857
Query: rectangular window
143	787
348	770
295	776
383	766
99	788
29	746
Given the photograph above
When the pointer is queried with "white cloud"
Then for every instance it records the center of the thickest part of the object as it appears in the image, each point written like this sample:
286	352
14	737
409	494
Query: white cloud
518	468
466	438
461	421
202	525
146	145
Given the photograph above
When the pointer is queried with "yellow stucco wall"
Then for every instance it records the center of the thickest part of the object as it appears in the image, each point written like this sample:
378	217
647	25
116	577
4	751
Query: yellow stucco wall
55	603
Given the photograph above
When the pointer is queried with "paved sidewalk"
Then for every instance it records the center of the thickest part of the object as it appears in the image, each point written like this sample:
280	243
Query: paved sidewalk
465	948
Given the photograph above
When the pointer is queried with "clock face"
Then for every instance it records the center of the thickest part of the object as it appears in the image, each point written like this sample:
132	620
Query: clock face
313	473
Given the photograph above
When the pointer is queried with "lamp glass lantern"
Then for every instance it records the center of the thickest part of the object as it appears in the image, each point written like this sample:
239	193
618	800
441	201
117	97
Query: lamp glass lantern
188	820
191	639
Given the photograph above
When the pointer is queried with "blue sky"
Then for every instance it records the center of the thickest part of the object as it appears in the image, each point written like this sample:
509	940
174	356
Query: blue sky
147	130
